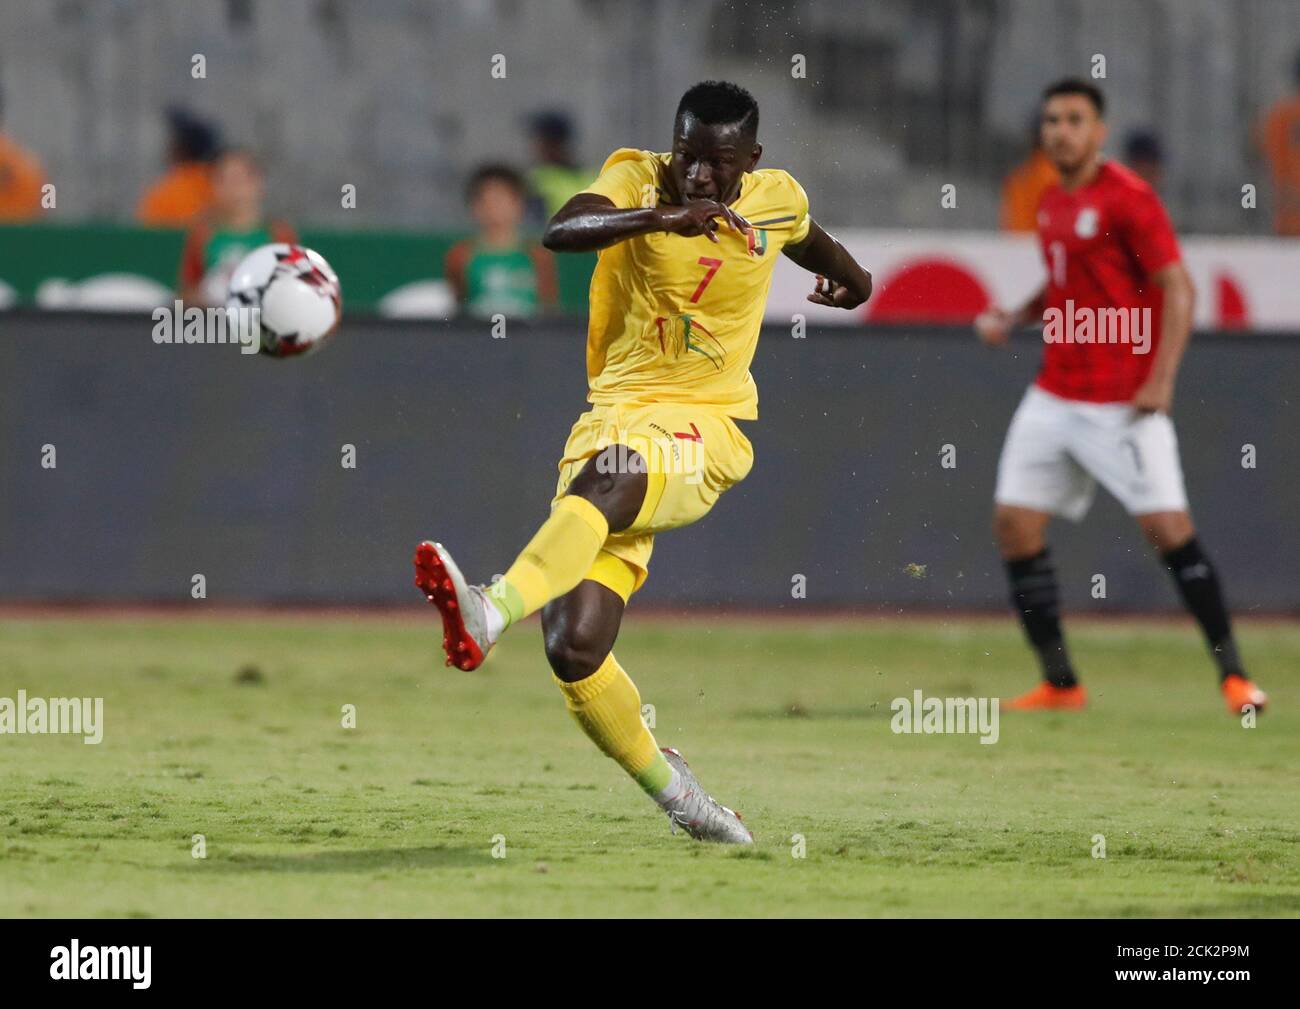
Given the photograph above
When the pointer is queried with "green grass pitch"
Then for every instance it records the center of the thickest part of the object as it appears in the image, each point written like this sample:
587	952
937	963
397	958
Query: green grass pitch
231	728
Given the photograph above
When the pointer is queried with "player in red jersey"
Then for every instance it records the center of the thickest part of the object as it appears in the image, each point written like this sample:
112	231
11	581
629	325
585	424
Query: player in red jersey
1117	313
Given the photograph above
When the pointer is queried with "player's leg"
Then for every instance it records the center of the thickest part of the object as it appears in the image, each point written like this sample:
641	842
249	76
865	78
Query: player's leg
689	455
579	630
1035	596
605	496
1037	479
1197	581
1135	457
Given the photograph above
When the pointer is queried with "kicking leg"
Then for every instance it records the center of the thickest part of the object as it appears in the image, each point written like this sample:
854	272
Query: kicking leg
1174	536
1035	597
579	629
604	497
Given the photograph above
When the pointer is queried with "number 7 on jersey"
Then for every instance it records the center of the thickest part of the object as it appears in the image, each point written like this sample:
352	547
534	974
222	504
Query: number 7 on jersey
713	267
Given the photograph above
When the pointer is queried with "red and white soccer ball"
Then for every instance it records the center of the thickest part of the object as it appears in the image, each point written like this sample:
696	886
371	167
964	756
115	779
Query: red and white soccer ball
297	296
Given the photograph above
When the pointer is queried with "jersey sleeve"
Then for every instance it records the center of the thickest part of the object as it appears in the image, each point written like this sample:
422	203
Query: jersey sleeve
799	204
628	179
1149	233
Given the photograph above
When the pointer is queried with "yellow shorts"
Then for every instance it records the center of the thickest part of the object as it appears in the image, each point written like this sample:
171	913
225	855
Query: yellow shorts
692	454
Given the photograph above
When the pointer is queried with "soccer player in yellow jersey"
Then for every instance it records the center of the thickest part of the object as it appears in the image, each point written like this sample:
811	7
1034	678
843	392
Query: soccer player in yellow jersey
687	242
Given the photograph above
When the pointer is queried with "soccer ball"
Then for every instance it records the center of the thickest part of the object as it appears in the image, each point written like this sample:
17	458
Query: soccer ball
296	295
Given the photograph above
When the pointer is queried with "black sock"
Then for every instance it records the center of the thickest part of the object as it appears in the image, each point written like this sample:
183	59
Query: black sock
1034	596
1198	584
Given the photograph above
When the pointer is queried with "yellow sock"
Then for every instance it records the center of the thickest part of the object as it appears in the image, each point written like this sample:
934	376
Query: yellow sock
608	708
556	559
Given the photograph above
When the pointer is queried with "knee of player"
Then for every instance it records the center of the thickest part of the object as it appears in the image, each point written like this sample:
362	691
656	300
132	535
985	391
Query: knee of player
573	656
615	482
1006	529
1015	534
1167	531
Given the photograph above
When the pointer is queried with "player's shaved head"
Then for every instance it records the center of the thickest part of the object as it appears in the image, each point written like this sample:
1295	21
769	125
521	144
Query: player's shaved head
720	103
714	142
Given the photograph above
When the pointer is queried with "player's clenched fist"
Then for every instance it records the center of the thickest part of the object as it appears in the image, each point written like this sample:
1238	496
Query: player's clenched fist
832	295
993	326
1155	395
699	217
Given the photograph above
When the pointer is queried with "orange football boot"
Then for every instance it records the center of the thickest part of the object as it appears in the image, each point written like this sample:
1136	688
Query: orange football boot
1240	692
1045	696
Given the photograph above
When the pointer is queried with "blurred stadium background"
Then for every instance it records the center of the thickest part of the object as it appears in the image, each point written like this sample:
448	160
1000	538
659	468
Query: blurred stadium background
363	126
393	95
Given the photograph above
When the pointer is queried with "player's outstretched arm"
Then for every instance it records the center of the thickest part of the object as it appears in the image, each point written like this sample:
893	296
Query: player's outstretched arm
589	222
841	282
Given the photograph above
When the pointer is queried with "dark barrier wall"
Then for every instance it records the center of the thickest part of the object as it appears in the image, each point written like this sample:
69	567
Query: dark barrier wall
375	263
173	461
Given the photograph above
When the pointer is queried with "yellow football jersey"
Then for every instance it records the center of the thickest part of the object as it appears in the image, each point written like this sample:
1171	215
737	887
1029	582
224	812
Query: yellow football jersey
676	319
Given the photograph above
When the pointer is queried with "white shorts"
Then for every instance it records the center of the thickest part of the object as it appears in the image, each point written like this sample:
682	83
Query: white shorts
1058	450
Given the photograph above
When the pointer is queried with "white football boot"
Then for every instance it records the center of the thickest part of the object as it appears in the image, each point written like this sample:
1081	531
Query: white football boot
697	812
471	623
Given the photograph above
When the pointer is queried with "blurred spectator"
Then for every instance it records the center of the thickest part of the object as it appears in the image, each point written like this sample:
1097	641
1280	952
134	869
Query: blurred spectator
1279	140
185	189
233	227
497	271
1025	184
21	178
555	176
1145	157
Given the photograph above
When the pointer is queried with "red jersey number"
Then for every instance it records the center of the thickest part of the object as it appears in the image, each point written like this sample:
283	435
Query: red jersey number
713	266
